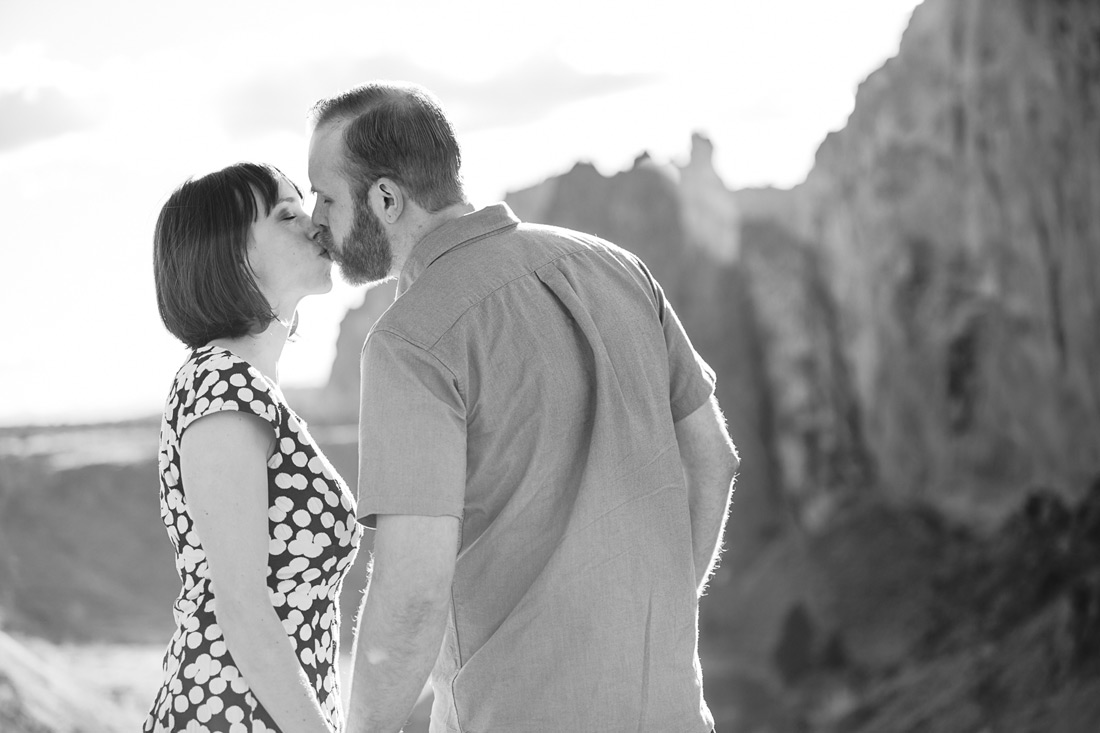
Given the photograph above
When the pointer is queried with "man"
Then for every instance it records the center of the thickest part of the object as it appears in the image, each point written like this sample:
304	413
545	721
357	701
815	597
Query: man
539	446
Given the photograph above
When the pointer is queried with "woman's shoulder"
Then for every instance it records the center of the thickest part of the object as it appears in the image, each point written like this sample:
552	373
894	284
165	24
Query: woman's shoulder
214	378
220	360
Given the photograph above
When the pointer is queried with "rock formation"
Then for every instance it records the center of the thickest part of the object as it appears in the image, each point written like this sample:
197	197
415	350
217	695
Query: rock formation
711	218
957	218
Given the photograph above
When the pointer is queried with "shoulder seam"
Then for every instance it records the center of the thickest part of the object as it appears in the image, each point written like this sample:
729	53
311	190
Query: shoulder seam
426	349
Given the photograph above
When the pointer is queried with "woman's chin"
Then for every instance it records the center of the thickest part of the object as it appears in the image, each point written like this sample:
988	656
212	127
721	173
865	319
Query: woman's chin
325	284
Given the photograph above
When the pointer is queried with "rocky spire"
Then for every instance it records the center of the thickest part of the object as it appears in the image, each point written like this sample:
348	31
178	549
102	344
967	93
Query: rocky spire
711	219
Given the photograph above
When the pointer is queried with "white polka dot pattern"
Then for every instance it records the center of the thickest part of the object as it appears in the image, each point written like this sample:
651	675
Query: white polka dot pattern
313	538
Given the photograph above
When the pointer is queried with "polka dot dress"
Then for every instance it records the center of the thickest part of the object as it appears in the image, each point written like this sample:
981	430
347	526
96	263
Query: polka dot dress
313	540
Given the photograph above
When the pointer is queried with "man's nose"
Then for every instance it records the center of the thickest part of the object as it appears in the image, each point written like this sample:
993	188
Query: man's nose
313	229
317	216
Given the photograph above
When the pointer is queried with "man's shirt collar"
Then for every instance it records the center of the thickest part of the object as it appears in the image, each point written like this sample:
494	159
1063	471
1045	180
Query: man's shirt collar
452	234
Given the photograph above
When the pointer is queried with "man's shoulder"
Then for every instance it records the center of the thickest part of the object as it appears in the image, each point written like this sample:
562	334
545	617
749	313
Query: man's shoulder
468	273
551	234
465	276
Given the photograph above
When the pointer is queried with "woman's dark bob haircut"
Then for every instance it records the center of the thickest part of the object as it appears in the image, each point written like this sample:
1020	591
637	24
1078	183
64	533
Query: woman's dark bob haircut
205	287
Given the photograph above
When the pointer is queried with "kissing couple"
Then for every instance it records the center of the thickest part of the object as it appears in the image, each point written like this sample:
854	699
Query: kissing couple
542	462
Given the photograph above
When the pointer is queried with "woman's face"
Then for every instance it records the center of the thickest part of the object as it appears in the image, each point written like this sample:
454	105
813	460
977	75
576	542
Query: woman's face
286	260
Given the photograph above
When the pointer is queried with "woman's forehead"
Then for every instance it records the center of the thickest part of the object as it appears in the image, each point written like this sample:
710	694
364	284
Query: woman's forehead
289	189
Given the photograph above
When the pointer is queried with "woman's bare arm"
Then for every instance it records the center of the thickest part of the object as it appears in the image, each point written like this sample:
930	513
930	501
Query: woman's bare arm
223	461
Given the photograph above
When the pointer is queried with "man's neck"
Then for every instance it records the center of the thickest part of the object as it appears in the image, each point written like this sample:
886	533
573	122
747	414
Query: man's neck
425	224
433	221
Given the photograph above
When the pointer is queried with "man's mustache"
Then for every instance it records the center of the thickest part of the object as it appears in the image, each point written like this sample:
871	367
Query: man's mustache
324	238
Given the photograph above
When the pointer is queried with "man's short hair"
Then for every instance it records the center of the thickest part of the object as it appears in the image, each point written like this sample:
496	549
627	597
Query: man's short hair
398	131
205	287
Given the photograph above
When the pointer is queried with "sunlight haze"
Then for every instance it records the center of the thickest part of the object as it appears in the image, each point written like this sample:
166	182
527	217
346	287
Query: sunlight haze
106	107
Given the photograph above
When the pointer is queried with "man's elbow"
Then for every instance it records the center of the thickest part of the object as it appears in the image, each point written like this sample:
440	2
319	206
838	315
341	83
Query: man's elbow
724	460
724	476
732	461
416	602
407	618
424	612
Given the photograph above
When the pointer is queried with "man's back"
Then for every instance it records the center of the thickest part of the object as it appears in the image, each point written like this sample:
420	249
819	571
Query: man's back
541	372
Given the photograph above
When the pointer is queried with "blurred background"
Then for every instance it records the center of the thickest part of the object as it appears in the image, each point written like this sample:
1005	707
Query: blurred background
878	219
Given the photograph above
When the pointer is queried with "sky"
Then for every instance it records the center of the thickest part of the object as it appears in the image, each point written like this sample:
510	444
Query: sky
106	107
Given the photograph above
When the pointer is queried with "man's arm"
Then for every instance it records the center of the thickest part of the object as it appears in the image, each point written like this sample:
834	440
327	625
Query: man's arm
402	620
710	464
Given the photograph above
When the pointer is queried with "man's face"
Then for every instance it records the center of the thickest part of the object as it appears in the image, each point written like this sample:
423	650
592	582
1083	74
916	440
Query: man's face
350	231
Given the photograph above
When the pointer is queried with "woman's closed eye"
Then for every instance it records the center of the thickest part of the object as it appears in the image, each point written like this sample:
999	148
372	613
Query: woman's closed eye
290	213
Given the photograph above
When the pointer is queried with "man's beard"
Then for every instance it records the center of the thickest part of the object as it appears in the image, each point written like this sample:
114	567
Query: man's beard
365	255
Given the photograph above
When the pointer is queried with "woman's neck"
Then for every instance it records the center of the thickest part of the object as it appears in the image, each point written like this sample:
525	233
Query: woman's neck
263	349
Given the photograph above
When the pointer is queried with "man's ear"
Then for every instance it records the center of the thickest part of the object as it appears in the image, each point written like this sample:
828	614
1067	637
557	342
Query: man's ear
390	200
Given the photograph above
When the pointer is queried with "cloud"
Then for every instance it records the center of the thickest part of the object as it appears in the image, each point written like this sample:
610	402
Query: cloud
532	90
27	116
524	93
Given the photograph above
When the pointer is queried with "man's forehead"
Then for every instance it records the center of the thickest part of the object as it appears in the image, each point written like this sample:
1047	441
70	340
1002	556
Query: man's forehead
325	166
328	137
325	152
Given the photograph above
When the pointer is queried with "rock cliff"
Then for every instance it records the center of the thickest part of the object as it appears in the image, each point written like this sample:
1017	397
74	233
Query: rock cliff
957	217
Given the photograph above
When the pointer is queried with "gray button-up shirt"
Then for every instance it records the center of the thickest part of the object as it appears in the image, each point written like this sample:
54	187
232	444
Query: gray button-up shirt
526	380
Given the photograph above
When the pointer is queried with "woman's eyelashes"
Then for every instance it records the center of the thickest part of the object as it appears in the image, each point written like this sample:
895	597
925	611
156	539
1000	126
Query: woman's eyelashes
291	214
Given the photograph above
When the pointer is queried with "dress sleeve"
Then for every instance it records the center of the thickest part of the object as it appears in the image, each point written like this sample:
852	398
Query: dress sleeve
412	432
225	382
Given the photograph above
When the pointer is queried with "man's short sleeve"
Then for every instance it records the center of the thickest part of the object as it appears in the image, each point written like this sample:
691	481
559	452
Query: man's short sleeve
412	432
691	380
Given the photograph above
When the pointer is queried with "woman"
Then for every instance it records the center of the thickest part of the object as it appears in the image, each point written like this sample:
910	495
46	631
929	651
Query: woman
263	528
